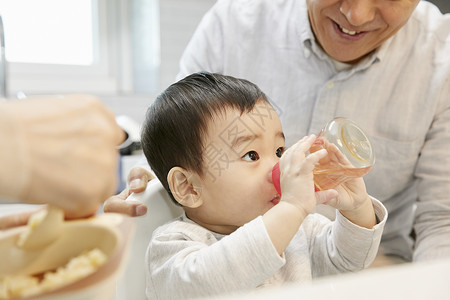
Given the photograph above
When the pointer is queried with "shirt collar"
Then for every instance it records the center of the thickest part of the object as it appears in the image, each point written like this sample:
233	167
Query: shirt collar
306	34
218	236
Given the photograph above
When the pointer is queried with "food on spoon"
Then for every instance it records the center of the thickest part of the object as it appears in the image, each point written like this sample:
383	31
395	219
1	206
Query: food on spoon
33	222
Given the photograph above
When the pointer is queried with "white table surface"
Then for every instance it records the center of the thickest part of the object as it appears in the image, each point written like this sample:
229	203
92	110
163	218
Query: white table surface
411	281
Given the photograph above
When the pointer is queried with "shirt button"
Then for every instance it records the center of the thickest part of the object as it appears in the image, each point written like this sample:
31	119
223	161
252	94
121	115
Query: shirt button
330	84
307	52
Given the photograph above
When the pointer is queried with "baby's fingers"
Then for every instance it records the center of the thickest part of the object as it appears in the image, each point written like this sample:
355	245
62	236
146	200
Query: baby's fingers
303	145
297	152
336	155
313	158
327	197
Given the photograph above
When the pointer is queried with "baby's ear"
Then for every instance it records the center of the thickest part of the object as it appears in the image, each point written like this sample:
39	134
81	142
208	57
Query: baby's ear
184	187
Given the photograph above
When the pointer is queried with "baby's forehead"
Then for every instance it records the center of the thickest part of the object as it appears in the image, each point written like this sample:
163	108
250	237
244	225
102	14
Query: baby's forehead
229	123
259	112
221	121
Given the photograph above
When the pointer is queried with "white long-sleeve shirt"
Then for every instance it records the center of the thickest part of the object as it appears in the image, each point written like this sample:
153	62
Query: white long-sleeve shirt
399	95
185	260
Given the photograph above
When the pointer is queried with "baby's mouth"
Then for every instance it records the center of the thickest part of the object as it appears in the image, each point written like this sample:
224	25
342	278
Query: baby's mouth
276	199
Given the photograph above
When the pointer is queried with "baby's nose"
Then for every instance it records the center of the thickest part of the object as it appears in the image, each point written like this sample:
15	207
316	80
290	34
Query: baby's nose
269	176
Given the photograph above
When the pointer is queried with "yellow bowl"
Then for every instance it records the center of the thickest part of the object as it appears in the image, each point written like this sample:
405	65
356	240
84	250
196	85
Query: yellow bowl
111	233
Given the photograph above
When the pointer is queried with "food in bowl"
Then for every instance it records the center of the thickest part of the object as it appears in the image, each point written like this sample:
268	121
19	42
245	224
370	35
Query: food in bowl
20	286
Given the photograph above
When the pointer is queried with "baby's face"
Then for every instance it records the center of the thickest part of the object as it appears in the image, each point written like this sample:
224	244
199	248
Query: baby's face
240	153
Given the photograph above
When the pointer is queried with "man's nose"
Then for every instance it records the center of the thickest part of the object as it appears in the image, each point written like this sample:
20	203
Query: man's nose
358	12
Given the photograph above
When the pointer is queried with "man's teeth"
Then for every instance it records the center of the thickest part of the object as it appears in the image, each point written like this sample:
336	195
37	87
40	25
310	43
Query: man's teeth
349	32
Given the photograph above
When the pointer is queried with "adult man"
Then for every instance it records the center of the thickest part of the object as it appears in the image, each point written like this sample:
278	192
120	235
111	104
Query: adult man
384	64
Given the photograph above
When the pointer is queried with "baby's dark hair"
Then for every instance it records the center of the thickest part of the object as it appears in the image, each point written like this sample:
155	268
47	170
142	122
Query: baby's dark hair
176	123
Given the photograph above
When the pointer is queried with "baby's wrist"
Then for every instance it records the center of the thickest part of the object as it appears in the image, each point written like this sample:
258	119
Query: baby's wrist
296	211
363	215
367	203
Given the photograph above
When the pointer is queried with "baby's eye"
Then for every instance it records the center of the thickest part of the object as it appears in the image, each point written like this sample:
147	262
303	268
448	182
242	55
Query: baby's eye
280	151
251	156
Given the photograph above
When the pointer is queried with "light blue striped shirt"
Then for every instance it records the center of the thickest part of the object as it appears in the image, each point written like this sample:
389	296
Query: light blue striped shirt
399	95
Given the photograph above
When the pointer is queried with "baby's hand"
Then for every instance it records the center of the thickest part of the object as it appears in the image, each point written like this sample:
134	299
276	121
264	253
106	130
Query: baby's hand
296	178
352	193
298	198
353	201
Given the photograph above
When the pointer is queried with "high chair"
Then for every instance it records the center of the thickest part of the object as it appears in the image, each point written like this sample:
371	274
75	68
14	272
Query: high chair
161	210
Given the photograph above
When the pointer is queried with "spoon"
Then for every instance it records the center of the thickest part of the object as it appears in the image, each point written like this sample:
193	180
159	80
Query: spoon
44	228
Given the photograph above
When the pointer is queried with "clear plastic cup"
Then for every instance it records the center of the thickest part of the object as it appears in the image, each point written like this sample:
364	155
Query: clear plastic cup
350	155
